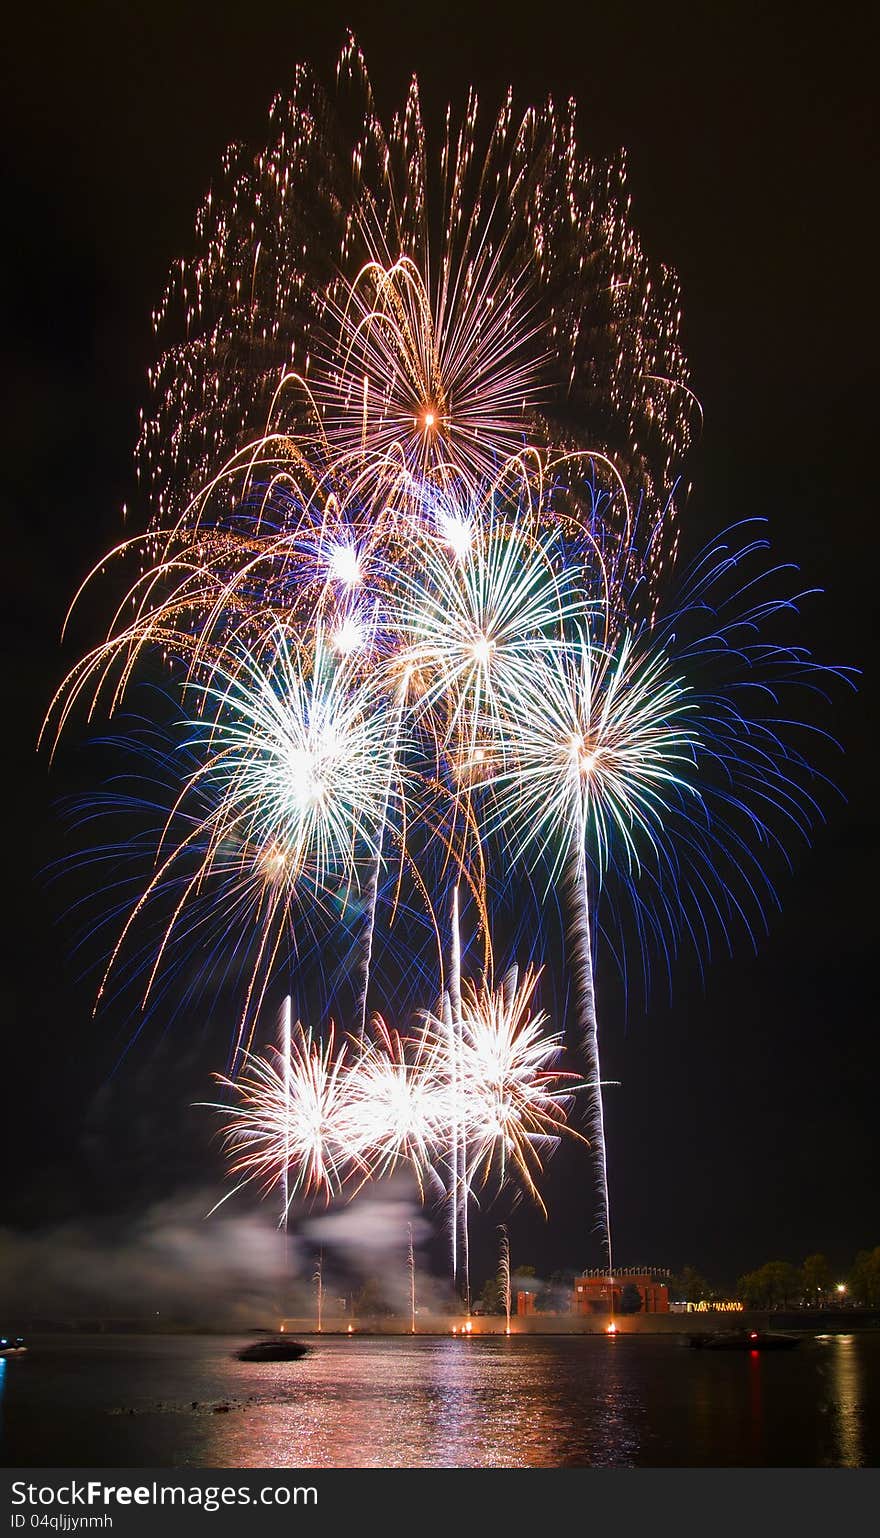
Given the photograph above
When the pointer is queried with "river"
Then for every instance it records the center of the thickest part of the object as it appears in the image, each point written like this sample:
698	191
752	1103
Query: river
490	1402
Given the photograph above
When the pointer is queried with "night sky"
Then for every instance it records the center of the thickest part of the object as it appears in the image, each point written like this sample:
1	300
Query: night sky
745	1126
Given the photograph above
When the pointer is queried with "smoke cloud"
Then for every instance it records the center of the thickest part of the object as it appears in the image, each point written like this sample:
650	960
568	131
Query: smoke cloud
172	1262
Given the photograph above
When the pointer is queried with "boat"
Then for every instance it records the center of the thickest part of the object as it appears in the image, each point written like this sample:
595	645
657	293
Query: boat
276	1349
745	1340
12	1345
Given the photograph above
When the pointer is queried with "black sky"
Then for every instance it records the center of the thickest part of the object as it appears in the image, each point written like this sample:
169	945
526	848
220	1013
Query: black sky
745	1128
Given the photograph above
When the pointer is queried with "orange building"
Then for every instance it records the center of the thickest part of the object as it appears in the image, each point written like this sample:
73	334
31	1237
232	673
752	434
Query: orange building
595	1293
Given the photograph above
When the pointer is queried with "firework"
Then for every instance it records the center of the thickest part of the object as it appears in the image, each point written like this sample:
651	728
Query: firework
313	1118
286	806
397	1095
439	306
412	454
516	1095
290	1127
299	761
473	625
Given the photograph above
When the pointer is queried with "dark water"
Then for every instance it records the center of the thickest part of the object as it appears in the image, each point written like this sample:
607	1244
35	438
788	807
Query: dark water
440	1402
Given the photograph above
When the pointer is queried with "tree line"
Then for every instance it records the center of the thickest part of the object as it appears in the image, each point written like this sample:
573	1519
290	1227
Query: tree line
776	1284
780	1284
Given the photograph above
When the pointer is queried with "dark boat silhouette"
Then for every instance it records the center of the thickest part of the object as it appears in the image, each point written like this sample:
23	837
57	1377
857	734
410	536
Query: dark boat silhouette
276	1349
12	1345
745	1340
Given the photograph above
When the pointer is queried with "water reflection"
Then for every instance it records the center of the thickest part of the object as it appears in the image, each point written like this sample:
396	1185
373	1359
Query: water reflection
439	1404
756	1409
848	1391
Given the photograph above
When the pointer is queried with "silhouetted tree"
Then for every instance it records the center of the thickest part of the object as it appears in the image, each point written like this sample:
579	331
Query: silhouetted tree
630	1299
690	1286
492	1297
778	1284
370	1300
864	1282
816	1277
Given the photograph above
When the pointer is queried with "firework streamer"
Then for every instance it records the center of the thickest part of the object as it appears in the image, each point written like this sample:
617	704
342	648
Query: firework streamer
373	883
318	1280
411	1269
460	1168
285	1184
504	1272
449	1038
582	957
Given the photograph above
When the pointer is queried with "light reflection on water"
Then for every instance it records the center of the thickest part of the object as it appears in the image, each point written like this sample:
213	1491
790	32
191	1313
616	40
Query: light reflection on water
846	1378
441	1402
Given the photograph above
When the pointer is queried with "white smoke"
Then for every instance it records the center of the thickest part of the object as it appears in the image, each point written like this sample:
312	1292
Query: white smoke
172	1262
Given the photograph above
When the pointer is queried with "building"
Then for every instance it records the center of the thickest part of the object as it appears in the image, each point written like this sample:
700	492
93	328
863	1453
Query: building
596	1293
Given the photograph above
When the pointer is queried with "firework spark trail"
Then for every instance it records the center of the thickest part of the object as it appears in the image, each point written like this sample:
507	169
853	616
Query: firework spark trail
451	1039
460	1187
582	967
504	1272
318	1280
286	1070
594	744
411	1271
373	884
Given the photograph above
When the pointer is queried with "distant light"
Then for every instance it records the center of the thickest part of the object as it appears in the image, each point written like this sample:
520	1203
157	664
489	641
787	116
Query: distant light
841	1287
611	1329
351	1329
468	1327
345	565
